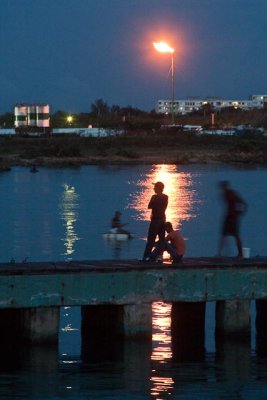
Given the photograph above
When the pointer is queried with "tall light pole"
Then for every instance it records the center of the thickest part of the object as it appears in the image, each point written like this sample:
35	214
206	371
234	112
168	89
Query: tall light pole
163	47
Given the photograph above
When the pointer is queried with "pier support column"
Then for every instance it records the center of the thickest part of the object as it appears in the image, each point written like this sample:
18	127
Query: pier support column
233	317
188	330
34	325
261	328
102	333
102	320
261	318
131	321
104	327
138	321
41	325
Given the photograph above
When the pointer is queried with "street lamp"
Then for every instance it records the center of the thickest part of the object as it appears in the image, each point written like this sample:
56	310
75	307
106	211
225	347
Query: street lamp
163	47
69	119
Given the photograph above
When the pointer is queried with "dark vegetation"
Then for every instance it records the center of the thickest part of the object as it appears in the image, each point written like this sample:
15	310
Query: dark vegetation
143	140
139	147
129	118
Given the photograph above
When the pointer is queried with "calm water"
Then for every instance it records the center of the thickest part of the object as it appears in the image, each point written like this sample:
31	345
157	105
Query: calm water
61	214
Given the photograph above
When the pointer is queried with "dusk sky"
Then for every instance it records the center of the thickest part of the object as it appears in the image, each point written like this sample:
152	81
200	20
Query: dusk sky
68	53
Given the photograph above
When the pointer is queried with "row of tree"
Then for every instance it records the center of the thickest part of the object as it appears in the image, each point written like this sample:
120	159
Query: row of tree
103	115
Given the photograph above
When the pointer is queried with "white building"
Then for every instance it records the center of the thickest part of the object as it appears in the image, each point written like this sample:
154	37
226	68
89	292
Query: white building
259	97
195	104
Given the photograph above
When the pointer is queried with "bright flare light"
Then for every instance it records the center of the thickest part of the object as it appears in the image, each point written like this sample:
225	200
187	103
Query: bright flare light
163	47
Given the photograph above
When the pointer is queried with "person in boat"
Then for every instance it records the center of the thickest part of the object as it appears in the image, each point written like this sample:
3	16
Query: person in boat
158	204
33	168
235	208
174	244
117	225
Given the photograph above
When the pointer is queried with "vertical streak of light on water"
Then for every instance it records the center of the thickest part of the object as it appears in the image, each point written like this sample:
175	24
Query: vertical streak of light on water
70	334
69	213
161	349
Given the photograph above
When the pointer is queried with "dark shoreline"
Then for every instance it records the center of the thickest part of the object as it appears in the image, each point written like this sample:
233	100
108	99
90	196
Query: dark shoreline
237	159
135	149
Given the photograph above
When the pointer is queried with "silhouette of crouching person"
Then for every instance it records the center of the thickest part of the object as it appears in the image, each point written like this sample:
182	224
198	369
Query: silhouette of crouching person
174	244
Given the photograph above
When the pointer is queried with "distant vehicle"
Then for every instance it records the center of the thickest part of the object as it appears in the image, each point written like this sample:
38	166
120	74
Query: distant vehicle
99	132
195	128
6	131
222	132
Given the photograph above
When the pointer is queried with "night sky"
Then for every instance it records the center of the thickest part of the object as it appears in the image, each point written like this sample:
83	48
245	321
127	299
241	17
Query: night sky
68	53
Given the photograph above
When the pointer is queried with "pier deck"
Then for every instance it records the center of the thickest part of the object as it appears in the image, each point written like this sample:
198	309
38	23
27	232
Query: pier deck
96	282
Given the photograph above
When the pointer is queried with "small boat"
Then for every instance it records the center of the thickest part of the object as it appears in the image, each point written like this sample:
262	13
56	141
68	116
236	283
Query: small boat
34	169
117	236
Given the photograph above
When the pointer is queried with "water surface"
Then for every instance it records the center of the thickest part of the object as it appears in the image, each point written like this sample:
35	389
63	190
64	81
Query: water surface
61	214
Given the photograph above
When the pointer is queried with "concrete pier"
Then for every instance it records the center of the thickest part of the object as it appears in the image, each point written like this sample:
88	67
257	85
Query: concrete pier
116	296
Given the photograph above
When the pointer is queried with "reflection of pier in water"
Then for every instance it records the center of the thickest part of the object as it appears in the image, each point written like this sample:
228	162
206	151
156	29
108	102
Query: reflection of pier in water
122	293
116	297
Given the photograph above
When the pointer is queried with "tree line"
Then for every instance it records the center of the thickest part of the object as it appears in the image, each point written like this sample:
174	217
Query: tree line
100	114
105	116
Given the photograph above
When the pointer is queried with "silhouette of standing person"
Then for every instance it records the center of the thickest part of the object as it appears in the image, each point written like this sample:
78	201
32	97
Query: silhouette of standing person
158	204
235	207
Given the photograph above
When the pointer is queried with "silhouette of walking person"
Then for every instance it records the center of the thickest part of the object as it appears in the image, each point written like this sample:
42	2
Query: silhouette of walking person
235	208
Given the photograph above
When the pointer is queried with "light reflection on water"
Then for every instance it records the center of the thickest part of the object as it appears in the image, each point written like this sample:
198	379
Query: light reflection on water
181	196
161	337
161	348
45	216
178	186
69	207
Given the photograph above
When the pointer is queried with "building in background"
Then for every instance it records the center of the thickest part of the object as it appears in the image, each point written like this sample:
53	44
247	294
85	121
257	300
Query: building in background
32	119
195	104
